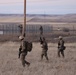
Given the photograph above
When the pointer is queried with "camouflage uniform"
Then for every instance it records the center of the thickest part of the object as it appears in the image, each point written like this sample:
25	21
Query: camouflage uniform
44	50
61	47
24	53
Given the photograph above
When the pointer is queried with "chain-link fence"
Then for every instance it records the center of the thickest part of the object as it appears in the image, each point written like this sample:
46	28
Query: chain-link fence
33	32
15	28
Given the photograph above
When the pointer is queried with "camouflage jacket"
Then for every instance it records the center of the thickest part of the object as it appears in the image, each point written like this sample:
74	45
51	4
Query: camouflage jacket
60	44
45	46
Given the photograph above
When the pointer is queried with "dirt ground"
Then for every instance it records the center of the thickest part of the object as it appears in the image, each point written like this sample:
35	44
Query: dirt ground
10	64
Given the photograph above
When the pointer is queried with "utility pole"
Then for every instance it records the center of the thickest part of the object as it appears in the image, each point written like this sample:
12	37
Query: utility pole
24	25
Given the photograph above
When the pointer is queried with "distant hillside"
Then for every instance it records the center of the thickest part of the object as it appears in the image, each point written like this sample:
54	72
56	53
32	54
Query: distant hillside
11	15
40	15
68	18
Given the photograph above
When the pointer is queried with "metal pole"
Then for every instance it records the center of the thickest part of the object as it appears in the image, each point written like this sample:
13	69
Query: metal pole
24	25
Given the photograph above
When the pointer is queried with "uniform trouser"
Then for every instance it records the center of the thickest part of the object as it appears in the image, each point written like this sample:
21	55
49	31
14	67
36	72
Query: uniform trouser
23	59
44	53
62	53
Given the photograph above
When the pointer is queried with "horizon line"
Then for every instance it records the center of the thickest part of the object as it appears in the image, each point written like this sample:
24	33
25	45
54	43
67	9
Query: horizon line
32	14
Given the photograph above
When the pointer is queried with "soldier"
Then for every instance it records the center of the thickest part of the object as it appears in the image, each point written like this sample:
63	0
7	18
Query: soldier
23	51
20	28
41	30
44	50
61	46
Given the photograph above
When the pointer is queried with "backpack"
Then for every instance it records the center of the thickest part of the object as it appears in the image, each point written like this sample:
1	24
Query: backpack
64	47
27	45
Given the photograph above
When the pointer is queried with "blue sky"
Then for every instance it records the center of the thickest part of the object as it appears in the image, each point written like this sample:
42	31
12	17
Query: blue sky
38	6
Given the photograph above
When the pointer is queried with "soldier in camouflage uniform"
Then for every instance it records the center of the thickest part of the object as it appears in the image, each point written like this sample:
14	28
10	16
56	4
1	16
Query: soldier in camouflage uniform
61	46
44	50
23	51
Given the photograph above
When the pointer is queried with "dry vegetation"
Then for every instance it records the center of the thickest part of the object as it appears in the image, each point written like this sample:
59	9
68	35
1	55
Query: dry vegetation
11	65
13	19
